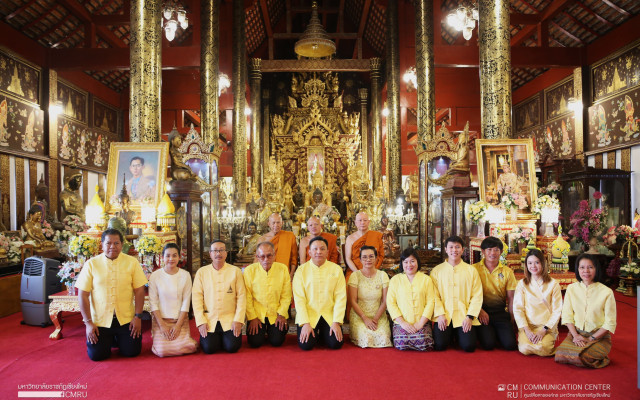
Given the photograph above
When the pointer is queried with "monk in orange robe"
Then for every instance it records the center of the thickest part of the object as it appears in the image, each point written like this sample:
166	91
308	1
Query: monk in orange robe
355	241
284	242
314	226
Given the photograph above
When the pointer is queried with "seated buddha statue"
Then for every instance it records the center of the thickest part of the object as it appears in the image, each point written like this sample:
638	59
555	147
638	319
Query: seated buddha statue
32	229
391	247
249	244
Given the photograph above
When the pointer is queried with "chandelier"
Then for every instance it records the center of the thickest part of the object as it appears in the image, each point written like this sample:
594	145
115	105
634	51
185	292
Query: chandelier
410	78
315	42
464	19
223	83
174	16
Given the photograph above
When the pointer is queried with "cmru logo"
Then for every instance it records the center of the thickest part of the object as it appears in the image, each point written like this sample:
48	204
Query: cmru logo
511	389
502	387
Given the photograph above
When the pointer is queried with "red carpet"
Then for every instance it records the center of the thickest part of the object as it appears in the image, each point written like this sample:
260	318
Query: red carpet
27	356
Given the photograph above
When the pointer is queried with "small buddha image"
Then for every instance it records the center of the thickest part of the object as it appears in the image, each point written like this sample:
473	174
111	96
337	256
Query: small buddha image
32	229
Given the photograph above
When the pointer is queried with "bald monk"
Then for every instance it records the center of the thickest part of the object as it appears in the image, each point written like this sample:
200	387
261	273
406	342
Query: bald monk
284	242
314	226
355	241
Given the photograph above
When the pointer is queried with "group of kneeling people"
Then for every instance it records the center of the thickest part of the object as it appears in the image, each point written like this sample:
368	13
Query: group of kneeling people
466	303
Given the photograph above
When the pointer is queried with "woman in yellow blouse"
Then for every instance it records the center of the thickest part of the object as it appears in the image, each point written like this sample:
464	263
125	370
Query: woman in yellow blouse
410	301
589	312
367	291
537	306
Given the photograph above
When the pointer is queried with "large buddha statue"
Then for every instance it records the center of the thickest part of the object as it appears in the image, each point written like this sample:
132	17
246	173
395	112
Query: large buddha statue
249	244
317	207
32	229
70	196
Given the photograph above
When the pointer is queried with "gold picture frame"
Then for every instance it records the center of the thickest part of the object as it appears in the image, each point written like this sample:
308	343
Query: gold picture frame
507	166
151	173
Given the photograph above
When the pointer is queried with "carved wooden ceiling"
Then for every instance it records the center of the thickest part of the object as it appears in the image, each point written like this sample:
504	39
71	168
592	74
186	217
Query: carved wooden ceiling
273	26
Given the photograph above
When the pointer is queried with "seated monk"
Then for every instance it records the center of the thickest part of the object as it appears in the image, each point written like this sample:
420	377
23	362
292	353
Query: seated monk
355	241
284	242
33	229
314	226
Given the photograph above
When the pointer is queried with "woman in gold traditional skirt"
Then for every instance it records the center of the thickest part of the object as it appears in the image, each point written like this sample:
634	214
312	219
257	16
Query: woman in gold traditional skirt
170	297
537	306
589	312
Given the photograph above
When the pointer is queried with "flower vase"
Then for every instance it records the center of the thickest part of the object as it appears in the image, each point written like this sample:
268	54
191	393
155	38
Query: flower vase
481	228
592	246
514	213
71	288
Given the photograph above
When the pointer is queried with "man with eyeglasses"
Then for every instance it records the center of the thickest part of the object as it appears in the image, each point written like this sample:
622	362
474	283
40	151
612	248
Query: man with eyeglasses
107	286
219	303
140	186
320	295
284	242
268	298
314	226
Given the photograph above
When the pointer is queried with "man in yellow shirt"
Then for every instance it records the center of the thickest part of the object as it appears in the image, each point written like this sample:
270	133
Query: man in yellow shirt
107	287
219	303
498	287
320	295
268	298
460	299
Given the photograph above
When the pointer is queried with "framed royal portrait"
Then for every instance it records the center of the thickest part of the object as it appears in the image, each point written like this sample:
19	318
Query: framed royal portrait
142	167
506	173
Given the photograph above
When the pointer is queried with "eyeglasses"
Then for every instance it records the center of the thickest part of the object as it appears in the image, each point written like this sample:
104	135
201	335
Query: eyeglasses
218	251
370	257
264	257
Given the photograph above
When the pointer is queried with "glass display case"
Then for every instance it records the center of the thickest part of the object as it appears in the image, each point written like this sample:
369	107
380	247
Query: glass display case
187	199
454	201
614	184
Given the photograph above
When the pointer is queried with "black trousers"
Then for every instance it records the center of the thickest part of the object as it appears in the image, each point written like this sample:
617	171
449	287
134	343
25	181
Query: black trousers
274	335
219	339
322	336
442	339
129	347
499	329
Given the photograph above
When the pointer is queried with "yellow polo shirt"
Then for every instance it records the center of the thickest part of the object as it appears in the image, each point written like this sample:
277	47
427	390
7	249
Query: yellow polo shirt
319	291
111	284
268	293
218	296
460	292
411	300
589	307
495	284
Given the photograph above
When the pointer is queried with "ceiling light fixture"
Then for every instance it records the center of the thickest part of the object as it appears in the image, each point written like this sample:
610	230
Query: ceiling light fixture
175	16
315	42
464	19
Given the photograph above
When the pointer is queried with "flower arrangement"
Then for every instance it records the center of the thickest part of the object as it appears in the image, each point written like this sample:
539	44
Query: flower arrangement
83	246
619	234
553	189
148	245
476	211
545	201
4	242
69	272
629	269
521	234
74	224
61	239
513	200
14	254
47	230
588	221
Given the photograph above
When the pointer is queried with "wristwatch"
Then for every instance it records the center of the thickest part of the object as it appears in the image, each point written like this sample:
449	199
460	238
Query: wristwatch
470	316
546	328
139	315
593	338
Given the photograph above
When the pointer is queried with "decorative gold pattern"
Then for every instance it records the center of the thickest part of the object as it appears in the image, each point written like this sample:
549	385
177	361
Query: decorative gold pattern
376	121
54	186
239	100
625	159
33	180
19	190
85	186
315	65
598	160
146	70
255	80
425	72
209	70
394	140
53	119
5	191
364	127
495	69
266	117
611	159
578	123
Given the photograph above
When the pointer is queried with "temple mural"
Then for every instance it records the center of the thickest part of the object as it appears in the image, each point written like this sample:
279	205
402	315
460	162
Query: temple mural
21	127
73	102
616	74
19	78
